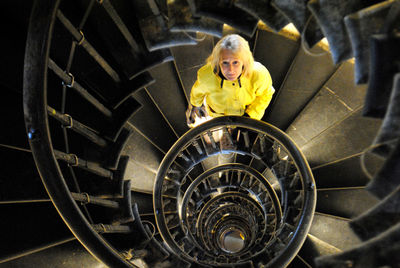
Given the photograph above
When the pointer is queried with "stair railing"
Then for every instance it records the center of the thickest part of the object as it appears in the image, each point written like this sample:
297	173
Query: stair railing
256	209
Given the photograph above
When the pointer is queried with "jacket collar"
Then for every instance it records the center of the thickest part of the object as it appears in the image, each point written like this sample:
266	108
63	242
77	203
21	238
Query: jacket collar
223	78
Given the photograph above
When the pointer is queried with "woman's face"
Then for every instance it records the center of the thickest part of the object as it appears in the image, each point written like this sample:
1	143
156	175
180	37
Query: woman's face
230	65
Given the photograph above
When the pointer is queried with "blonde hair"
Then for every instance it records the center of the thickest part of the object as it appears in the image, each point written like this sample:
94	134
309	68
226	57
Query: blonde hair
239	47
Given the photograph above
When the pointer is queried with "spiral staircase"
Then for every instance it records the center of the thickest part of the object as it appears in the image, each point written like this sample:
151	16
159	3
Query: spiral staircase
97	156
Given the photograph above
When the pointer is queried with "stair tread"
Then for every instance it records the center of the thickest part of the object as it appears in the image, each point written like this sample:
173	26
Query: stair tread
154	28
30	235
273	42
188	63
69	254
169	96
314	247
298	14
346	172
333	101
142	179
227	13
370	223
344	202
144	202
334	231
263	10
299	262
296	92
181	19
339	141
149	121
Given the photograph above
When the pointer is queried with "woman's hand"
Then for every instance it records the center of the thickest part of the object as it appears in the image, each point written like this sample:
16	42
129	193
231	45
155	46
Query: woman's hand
194	111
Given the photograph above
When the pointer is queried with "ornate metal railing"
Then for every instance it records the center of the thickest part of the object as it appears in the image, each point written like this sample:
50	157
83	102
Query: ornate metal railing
255	209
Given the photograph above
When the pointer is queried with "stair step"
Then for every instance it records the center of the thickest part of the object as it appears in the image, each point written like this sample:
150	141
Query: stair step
159	134
336	99
263	10
381	251
119	36
120	116
296	91
19	178
298	14
383	89
388	136
154	27
314	247
370	223
169	96
348	137
344	202
146	238
334	231
67	253
299	262
147	60
141	150
142	179
187	63
387	178
330	16
27	227
144	79
225	12
144	159
346	172
144	202
181	19
360	26
112	154
148	120
31	255
277	67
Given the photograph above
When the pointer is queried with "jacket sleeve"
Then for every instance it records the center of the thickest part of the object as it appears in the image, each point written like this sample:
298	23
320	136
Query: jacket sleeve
263	90
199	89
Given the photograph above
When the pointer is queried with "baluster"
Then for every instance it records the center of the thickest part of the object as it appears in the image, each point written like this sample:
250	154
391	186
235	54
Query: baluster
70	81
79	36
105	228
87	199
68	122
92	167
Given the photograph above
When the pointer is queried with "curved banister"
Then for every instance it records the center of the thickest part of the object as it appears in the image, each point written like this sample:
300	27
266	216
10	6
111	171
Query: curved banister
182	146
35	111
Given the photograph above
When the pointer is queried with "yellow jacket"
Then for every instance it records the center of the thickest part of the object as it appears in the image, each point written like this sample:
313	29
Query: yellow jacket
223	97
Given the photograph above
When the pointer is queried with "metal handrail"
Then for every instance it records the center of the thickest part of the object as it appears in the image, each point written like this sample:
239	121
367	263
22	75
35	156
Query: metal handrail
308	184
36	121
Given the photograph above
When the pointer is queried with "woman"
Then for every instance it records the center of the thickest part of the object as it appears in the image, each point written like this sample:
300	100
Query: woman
231	83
